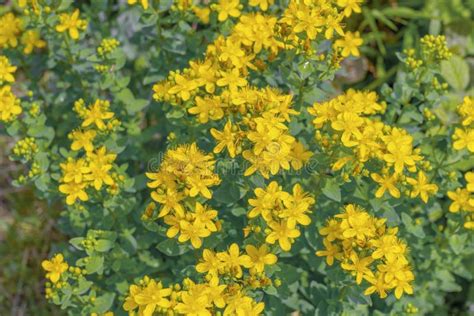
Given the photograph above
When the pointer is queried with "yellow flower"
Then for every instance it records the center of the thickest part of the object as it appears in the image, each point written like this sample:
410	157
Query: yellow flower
386	182
333	23
461	200
469	176
9	105
466	110
170	200
332	230
296	207
82	140
71	23
232	79
259	257
233	260
226	139
31	39
207	108
281	232
358	225
309	21
10	30
332	251
240	304
348	123
153	296
350	44
378	285
205	216
464	138
350	6
98	174
263	4
421	187
144	3
226	8
194	304
6	70
55	267
194	232
400	155
299	155
387	246
265	200
398	274
215	292
97	113
184	86
202	14
73	170
209	263
74	191
359	266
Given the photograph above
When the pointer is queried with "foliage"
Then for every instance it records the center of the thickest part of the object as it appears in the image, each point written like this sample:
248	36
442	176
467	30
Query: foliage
204	162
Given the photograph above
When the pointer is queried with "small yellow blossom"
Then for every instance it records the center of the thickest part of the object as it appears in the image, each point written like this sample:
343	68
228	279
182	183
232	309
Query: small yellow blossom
31	39
55	267
6	70
71	23
350	44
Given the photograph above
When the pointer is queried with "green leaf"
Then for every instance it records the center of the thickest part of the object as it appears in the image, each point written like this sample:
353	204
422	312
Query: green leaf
239	211
103	303
228	192
64	5
456	72
171	247
95	264
82	286
332	190
271	290
104	245
356	295
416	230
125	96
77	242
137	105
42	158
457	242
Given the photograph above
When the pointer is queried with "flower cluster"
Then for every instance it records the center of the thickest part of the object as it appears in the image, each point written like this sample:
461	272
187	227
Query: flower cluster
25	148
463	200
434	47
202	11
218	88
105	55
230	277
282	212
369	250
95	168
185	176
464	136
9	104
347	121
107	46
62	277
12	32
6	70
